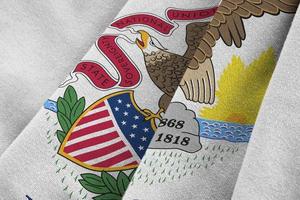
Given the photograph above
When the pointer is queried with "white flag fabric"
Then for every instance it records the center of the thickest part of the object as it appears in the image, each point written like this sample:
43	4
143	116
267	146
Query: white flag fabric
180	82
271	165
91	134
242	76
40	43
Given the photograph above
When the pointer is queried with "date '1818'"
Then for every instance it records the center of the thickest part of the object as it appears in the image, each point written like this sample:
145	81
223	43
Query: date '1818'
169	138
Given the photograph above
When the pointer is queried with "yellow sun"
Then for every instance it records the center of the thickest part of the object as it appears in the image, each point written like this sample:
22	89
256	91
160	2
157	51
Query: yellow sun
241	89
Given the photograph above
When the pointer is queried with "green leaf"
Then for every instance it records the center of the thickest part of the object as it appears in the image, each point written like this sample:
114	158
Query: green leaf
60	135
122	181
63	107
70	96
131	174
110	182
77	109
64	122
93	179
93	188
109	196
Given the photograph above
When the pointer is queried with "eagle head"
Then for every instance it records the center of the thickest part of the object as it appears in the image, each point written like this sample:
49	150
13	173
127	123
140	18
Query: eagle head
148	43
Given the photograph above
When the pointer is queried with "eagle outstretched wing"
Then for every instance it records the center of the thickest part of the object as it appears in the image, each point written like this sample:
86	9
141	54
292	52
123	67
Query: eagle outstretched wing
227	23
198	82
194	33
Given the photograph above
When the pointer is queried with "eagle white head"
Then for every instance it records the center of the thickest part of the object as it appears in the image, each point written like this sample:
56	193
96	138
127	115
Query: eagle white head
148	43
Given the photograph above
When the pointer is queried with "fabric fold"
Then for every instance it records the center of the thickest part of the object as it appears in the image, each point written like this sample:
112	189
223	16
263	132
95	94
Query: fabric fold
91	134
271	166
243	51
40	43
180	82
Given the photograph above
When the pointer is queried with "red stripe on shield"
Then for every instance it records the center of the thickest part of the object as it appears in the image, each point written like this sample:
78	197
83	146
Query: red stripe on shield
91	142
93	117
91	129
100	152
115	160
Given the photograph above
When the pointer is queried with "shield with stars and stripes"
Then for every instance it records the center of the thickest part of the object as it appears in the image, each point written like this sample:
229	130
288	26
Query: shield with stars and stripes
112	134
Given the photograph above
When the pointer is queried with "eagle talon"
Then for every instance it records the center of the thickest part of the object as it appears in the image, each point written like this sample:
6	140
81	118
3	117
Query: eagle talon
151	115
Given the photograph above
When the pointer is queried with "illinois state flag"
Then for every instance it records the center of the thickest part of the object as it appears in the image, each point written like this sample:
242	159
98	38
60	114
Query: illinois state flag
112	134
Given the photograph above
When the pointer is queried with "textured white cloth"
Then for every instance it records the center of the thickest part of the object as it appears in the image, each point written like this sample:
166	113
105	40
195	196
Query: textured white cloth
271	166
51	173
41	41
211	173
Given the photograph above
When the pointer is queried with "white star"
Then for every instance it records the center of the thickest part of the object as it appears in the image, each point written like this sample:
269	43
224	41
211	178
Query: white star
132	135
136	117
119	101
116	109
146	130
143	139
125	113
134	126
128	105
123	123
141	148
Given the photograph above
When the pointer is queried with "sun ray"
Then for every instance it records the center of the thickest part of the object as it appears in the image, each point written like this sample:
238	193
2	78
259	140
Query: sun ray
241	89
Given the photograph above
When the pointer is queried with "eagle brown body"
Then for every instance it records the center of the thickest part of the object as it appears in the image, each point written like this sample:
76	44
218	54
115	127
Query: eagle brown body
166	71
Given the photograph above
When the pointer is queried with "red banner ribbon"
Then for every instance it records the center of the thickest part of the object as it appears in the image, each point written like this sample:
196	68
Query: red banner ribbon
157	23
97	74
161	25
129	76
176	14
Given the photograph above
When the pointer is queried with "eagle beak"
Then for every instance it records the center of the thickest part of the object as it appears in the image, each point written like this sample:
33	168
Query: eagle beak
141	41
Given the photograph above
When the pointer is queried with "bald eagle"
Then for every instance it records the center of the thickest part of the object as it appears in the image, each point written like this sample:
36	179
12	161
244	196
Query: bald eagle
194	71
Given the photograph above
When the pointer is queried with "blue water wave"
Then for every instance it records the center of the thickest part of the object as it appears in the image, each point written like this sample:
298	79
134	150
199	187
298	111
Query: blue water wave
218	130
50	105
